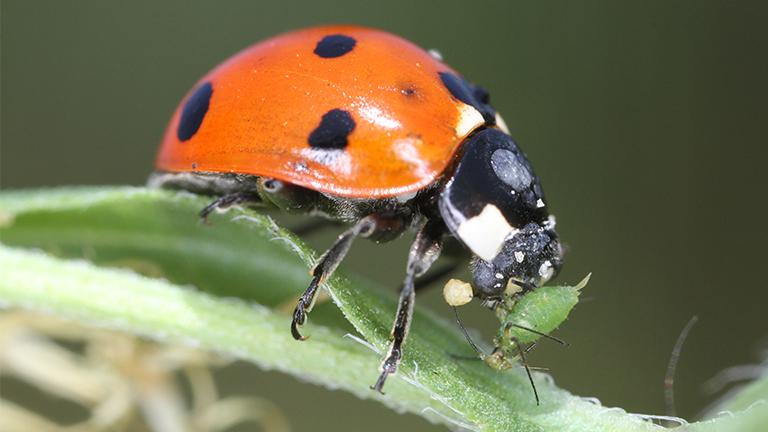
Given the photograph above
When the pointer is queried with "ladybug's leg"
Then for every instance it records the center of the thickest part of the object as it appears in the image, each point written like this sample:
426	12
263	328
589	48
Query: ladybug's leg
424	251
372	225
227	201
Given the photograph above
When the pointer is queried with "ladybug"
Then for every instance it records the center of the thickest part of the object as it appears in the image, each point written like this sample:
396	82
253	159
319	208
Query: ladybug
357	125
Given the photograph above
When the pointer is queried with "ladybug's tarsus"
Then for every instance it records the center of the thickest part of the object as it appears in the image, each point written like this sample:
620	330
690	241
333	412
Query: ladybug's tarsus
227	201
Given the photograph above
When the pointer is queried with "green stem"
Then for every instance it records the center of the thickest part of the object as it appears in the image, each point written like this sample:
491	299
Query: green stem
244	267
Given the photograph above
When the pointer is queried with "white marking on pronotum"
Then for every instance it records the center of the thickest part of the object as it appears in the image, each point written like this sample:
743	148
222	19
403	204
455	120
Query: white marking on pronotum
540	203
485	233
469	120
501	124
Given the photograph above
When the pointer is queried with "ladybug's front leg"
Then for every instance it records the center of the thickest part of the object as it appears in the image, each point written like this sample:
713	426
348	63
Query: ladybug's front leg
424	251
226	201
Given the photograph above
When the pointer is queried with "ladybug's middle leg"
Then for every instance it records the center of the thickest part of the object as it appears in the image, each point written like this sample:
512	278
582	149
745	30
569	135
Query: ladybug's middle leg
424	251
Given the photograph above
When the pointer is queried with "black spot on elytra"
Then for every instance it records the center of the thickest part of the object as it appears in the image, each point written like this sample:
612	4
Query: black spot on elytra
332	133
333	46
458	88
194	111
470	94
482	95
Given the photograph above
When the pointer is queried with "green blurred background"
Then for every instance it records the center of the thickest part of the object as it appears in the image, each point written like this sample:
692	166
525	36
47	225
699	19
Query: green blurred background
646	121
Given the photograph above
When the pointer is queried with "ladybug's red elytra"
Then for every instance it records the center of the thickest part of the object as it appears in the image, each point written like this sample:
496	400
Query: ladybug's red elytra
361	126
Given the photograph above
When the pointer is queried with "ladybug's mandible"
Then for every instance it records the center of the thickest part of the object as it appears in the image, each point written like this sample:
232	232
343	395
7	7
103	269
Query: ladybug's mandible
358	125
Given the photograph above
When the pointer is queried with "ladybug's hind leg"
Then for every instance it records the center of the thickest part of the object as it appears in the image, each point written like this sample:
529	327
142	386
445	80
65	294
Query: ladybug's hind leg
424	251
371	226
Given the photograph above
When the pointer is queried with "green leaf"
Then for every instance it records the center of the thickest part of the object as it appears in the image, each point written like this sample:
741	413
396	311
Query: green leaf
222	288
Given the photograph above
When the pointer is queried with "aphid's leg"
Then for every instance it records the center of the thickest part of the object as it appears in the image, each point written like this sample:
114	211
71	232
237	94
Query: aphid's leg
227	201
331	259
524	361
522	351
424	251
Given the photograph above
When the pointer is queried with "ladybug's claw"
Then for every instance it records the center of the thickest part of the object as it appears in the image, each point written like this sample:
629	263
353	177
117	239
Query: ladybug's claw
299	317
304	304
295	330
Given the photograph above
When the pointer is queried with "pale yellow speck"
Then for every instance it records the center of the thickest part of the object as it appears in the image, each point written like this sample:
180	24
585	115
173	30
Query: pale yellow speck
457	293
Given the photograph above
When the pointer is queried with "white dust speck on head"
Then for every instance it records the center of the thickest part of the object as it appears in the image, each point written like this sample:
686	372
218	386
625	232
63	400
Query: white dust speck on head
546	270
519	256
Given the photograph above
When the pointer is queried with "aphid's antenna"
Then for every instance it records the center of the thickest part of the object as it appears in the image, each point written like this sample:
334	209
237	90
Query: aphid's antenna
466	334
669	378
527	369
531	347
544	335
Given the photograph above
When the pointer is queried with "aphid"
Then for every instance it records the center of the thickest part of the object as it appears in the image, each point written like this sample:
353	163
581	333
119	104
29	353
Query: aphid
358	125
525	318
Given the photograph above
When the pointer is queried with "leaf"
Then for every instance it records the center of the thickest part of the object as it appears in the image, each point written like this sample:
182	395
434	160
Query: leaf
221	287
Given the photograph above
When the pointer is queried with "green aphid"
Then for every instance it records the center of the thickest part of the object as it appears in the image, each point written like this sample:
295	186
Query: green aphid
527	318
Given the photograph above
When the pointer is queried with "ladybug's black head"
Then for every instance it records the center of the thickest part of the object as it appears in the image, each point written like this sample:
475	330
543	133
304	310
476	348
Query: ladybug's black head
527	259
493	203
